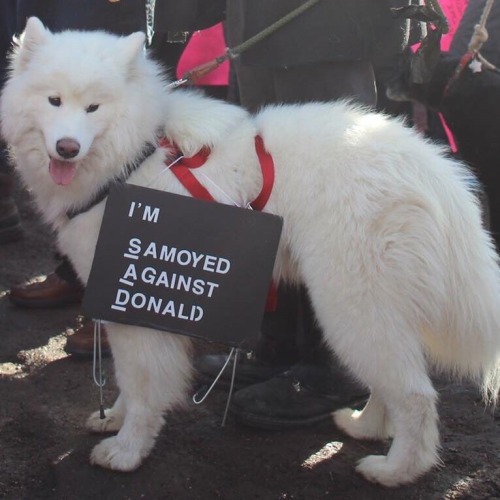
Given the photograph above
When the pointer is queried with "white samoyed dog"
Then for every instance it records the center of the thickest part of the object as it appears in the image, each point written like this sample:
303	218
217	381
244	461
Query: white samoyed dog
380	226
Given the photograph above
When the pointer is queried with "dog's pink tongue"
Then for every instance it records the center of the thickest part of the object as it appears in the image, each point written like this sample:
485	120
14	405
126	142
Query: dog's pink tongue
62	172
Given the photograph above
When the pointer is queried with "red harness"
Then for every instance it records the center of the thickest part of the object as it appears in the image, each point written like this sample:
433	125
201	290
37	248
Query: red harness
182	170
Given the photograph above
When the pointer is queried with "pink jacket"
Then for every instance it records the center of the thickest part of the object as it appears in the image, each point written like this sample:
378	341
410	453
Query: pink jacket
204	46
453	10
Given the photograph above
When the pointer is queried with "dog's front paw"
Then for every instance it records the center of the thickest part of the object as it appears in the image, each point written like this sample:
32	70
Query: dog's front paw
378	469
111	454
111	422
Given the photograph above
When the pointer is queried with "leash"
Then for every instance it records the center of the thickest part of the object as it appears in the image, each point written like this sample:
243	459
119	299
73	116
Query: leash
191	76
479	37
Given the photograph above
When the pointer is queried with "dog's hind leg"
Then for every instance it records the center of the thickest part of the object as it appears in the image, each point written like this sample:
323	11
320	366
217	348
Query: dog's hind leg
372	422
386	354
416	439
403	396
112	421
408	412
153	373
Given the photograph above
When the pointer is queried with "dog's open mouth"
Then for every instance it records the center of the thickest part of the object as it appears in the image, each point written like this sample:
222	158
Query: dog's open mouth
61	171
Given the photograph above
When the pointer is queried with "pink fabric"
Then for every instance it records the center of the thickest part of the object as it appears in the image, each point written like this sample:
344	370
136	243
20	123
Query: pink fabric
453	10
203	47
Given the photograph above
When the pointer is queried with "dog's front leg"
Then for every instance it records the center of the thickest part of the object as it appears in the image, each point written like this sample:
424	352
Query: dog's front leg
153	372
112	421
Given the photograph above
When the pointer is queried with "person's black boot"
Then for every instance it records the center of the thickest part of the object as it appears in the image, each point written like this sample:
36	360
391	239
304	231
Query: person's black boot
299	397
249	369
275	349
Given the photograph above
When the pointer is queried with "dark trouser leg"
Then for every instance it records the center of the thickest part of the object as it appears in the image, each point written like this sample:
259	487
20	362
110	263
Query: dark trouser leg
317	385
10	222
308	392
277	343
66	271
326	82
318	82
275	351
167	52
293	329
318	369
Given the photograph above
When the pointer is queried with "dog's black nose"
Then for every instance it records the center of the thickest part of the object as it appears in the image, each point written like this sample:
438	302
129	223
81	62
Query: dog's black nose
67	148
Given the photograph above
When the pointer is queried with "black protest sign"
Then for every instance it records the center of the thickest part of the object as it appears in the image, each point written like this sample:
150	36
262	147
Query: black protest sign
183	265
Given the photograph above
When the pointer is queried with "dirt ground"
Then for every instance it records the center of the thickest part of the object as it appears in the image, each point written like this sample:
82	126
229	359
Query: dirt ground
45	396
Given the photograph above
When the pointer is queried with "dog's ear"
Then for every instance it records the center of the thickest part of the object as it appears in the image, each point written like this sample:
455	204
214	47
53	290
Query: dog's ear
132	45
35	34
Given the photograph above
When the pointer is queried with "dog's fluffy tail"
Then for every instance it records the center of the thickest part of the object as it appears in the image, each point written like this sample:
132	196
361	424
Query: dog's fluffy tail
468	342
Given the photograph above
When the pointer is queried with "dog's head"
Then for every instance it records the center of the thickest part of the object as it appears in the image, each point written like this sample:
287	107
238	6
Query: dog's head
75	95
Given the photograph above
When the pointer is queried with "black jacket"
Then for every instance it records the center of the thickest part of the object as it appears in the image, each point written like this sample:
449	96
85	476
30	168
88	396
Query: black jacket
332	30
472	16
121	17
187	15
7	31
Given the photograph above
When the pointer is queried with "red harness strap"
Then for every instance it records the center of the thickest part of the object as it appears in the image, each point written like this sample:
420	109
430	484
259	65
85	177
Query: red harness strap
183	173
182	170
267	167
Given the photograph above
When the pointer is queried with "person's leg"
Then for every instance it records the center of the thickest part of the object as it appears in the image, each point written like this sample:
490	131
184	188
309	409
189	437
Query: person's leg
167	49
326	82
59	288
315	385
66	271
10	222
276	348
308	392
81	342
256	87
274	352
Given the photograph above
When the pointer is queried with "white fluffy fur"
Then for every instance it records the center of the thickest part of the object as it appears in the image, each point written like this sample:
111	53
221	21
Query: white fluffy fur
379	225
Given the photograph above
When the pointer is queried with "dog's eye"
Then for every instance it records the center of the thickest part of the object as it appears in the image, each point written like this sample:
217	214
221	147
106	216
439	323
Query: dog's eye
55	101
92	108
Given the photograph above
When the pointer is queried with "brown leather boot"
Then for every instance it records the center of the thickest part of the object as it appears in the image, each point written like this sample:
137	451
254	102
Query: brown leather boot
53	291
81	343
